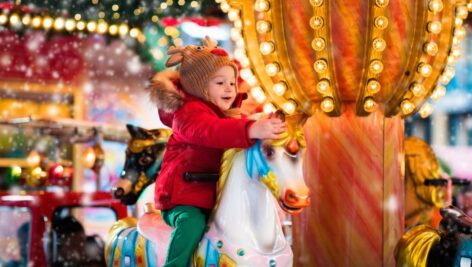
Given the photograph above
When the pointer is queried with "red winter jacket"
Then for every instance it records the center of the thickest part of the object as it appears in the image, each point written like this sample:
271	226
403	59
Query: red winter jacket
200	135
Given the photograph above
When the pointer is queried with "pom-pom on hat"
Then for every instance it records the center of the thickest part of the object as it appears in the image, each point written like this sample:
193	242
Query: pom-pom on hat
198	64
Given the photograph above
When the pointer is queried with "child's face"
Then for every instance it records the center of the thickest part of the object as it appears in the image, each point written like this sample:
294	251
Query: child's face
222	88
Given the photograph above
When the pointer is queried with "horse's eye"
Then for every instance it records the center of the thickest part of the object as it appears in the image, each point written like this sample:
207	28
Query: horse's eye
269	151
143	161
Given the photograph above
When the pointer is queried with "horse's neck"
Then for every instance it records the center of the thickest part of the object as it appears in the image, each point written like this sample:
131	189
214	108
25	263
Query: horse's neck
247	212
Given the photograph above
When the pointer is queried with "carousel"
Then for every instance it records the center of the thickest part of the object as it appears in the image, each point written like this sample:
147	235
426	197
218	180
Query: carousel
355	190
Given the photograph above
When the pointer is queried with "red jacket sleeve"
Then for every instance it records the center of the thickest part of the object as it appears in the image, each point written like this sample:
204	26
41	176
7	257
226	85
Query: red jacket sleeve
197	124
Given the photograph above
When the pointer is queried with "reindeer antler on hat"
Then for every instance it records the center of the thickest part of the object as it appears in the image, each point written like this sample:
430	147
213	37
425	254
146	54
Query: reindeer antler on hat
198	64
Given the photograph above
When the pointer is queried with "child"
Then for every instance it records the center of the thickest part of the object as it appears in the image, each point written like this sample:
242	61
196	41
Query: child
196	108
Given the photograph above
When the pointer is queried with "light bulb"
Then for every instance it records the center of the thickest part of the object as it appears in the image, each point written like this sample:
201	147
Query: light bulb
381	3
269	108
263	26
262	5
318	44
381	22
426	110
316	22
320	65
266	48
434	27
417	89
91	26
425	69
272	68
431	48
289	106
323	86
407	107
279	88
369	104
379	44
435	5
373	86
376	66
438	92
327	105
258	94
316	2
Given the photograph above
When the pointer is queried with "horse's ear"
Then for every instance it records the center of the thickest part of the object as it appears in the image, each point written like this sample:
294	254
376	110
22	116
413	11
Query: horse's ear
137	132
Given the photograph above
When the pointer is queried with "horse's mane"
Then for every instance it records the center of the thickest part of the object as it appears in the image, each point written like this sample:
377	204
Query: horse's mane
422	164
226	163
414	246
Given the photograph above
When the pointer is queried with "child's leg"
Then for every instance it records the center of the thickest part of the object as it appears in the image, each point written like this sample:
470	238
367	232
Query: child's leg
189	224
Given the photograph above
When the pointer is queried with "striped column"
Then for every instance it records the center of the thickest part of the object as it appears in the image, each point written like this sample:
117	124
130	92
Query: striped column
353	168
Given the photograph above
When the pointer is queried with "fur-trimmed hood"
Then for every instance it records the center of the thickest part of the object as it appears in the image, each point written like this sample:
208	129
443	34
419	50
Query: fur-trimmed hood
164	91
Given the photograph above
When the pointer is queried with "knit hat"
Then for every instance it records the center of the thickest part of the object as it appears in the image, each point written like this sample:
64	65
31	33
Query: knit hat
198	64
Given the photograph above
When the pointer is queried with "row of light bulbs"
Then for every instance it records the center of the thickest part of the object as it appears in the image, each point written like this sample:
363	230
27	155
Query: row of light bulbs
321	64
431	48
373	86
70	25
266	48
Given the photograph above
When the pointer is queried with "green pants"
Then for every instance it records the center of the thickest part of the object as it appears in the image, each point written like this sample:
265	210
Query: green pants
189	224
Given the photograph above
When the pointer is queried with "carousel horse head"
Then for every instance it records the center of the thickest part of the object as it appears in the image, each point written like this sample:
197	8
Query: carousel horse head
143	160
277	164
450	246
424	173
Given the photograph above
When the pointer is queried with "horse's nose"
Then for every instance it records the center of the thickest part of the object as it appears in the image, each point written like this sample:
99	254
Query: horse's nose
300	199
121	188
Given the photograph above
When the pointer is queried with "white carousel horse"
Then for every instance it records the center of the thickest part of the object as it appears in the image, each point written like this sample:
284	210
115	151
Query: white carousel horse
244	229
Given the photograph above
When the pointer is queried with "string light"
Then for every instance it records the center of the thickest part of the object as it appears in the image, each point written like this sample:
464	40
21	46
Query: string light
369	104
434	27
431	48
381	3
373	86
263	26
425	69
266	48
407	107
47	23
426	110
435	6
279	88
258	94
91	26
272	68
316	2
318	44
262	6
327	105
3	19
379	44
269	108
376	66
289	106
320	65
417	89
381	22
316	22
438	92
323	86
462	12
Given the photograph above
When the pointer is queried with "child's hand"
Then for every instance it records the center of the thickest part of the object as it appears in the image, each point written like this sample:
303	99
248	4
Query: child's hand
267	129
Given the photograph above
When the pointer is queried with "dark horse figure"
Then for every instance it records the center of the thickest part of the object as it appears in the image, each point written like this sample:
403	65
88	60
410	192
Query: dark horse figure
451	245
143	161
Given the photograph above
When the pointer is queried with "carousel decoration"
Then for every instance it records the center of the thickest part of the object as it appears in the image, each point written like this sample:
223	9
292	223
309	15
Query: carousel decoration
357	68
